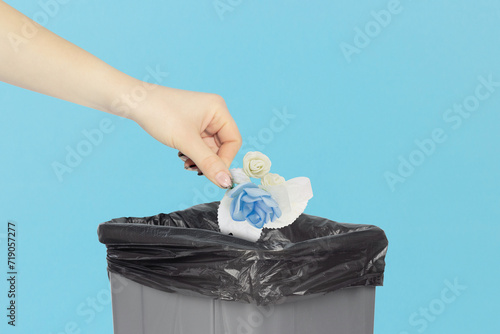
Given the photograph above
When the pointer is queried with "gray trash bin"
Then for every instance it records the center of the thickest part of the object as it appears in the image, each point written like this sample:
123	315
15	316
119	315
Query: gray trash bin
177	274
138	309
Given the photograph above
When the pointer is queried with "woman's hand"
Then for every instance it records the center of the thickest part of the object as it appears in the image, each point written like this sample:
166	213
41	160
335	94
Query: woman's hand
199	125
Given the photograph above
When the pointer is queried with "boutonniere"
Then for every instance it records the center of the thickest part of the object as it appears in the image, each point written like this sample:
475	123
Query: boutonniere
247	208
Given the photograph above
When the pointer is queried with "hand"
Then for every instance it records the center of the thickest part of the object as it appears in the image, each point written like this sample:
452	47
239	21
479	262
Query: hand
199	125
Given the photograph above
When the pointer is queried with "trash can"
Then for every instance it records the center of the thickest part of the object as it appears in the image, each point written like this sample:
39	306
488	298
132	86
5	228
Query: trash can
177	274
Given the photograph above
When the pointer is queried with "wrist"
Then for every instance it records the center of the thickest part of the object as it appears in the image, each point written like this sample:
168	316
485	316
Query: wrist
124	96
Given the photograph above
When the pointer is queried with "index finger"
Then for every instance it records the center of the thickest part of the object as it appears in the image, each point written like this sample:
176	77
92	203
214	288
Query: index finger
230	139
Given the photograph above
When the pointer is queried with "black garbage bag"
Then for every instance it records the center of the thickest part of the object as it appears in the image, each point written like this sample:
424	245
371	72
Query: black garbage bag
185	252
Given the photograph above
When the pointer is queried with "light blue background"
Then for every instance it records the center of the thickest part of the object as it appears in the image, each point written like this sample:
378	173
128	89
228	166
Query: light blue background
352	122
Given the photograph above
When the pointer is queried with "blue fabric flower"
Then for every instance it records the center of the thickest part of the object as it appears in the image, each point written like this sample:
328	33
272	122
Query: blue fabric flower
253	204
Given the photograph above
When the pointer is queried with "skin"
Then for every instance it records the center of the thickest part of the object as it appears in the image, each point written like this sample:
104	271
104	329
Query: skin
197	124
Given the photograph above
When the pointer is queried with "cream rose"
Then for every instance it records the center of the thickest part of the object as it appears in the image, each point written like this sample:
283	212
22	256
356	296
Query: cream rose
256	164
239	176
271	179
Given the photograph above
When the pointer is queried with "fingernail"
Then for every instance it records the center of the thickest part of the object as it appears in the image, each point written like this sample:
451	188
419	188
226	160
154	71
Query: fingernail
223	179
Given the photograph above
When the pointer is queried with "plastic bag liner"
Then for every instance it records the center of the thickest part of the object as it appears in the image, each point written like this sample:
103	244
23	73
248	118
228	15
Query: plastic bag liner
184	252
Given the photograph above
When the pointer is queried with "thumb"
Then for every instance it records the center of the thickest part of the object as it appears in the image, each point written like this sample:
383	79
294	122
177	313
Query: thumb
208	162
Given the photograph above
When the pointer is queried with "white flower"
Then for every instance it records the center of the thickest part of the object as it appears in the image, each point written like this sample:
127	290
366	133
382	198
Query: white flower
271	179
256	164
239	176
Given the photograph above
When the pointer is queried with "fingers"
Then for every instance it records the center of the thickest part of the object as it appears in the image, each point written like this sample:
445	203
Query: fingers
224	135
189	164
212	151
225	150
182	156
211	165
230	142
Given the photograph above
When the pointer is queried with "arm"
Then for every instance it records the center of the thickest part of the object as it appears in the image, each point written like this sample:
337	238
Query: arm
197	124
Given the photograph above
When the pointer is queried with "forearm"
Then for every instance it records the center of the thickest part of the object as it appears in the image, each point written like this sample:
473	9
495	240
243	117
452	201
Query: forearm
34	58
197	124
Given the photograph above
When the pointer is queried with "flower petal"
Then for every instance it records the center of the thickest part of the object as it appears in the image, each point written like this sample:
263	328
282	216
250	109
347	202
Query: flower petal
239	176
253	204
240	188
256	220
269	201
256	192
276	213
